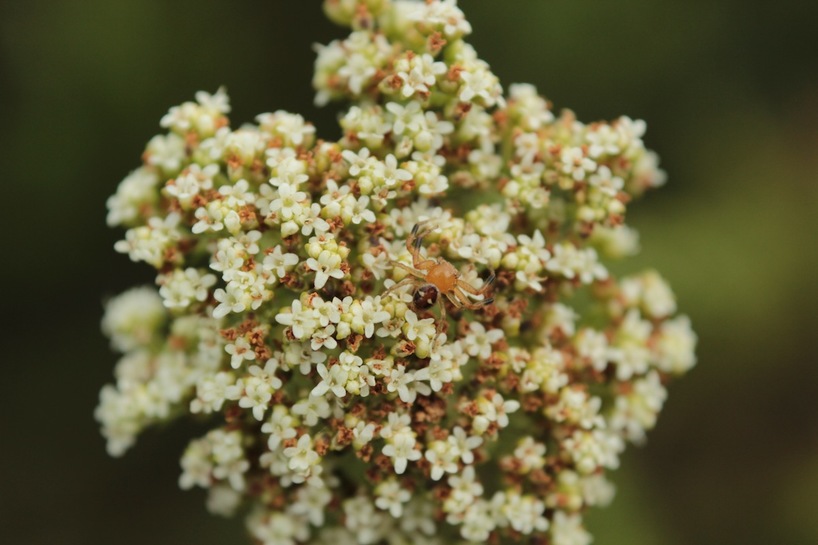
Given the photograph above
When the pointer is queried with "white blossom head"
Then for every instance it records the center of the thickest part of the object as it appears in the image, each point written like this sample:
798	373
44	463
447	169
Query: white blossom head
407	335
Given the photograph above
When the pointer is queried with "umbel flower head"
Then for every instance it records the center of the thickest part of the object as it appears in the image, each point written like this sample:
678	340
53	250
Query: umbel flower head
408	335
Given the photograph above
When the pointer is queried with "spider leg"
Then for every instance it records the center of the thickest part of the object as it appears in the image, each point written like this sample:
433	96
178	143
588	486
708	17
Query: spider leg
408	269
405	282
465	286
422	228
442	322
413	244
455	302
425	265
464	300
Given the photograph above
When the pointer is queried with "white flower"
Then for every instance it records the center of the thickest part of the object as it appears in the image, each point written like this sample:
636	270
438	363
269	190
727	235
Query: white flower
149	243
379	265
230	462
478	522
245	290
443	16
636	412
606	182
311	220
182	287
280	426
401	448
344	365
493	409
327	265
406	384
677	345
289	203
395	422
524	513
418	73
323	338
359	379
571	262
437	373
166	152
133	318
593	346
465	488
211	392
290	127
567	530
358	210
389	174
278	529
391	496
302	356
575	163
576	407
367	525
464	444
478	82
286	167
312	409
255	391
443	456
279	263
312	500
333	379
196	465
302	321
593	449
530	453
414	328
223	500
366	315
137	190
239	351
478	341
301	457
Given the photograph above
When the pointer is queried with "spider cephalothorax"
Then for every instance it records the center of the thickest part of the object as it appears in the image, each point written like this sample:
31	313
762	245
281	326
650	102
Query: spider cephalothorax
431	277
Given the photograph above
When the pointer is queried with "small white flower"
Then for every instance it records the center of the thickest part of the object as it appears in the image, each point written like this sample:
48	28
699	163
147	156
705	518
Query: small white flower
406	384
312	409
366	315
301	457
255	391
465	444
391	496
280	426
418	73
289	203
567	530
414	328
401	448
239	351
576	164
211	392
443	456
301	320
478	341
327	265
333	379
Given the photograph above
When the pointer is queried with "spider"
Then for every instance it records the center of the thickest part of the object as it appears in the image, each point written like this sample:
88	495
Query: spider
431	277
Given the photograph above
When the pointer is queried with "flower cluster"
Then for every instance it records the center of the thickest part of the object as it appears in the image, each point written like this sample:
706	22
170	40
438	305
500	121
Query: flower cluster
287	310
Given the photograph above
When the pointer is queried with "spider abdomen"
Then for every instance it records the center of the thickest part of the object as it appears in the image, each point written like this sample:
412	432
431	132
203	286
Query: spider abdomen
425	297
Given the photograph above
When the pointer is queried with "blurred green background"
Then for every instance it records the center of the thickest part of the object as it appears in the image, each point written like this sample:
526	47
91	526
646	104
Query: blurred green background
729	90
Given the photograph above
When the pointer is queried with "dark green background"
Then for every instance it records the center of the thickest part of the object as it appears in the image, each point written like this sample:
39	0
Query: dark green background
730	93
